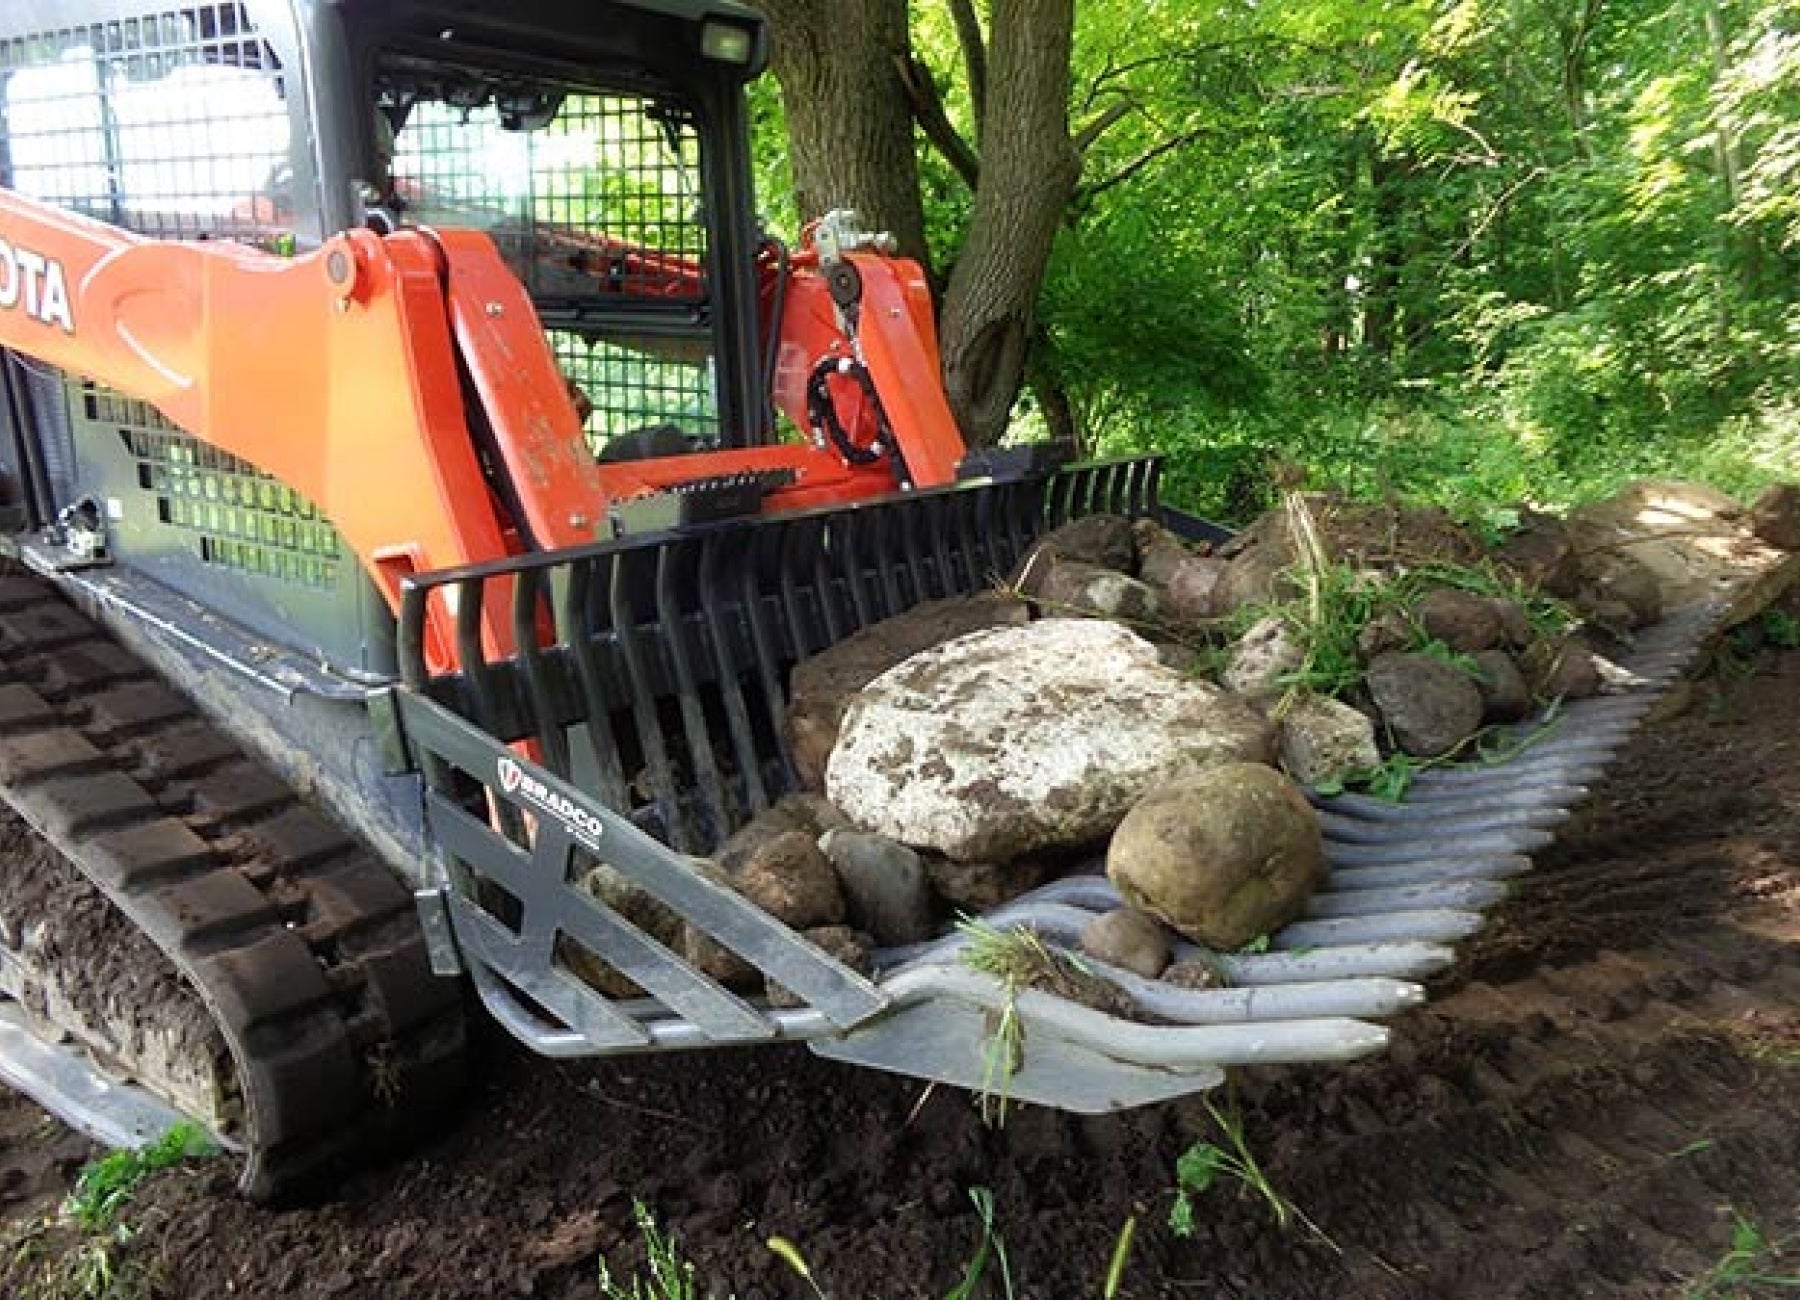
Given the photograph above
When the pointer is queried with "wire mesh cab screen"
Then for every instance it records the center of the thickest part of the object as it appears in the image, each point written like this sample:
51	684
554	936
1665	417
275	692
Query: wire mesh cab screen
595	202
173	123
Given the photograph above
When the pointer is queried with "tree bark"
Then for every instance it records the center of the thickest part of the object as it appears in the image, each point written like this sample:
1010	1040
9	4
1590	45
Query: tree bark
1029	169
849	117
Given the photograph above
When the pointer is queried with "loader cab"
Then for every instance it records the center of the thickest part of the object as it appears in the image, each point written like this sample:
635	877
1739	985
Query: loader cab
604	150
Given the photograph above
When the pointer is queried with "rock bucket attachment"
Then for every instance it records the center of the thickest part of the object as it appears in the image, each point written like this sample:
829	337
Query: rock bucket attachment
640	720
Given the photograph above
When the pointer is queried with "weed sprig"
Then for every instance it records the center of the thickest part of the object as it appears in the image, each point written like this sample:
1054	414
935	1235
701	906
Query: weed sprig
1202	1165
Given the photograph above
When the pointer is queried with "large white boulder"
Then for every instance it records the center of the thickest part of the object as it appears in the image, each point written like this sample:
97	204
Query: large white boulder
1015	740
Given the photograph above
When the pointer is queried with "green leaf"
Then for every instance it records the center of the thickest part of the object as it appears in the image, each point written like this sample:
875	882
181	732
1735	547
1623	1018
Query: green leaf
1198	1167
1181	1215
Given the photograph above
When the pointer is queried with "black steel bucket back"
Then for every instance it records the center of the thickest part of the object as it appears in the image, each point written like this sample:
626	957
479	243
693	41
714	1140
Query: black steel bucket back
652	671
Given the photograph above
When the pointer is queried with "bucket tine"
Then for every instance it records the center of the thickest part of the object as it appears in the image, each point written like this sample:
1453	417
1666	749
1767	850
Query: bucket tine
576	629
719	635
658	772
671	568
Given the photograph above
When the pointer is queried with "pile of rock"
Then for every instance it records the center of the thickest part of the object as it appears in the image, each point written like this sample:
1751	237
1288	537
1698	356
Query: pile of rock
963	753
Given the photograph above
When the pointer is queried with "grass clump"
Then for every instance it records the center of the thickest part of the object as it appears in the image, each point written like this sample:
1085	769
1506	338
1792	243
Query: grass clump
1020	959
1751	1266
671	1277
84	1253
103	1187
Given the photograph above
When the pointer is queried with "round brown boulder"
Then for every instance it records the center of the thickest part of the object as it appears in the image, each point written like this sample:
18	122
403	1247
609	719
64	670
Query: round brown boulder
1223	856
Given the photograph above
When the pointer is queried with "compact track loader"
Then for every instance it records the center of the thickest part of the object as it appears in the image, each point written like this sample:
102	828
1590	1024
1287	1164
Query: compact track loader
419	478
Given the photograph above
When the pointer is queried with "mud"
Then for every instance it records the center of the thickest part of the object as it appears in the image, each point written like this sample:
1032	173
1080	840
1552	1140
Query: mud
68	958
1603	1085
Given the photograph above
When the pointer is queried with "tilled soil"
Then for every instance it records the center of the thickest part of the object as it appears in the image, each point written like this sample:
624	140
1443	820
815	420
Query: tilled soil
1605	1085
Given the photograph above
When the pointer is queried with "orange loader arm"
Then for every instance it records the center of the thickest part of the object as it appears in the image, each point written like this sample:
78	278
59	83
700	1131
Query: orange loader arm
332	371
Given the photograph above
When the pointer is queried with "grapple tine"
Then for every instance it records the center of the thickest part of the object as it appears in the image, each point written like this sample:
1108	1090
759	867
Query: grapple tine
729	675
576	630
527	607
672	624
658	771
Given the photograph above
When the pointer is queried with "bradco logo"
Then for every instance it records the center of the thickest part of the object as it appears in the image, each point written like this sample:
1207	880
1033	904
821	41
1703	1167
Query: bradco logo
578	821
38	283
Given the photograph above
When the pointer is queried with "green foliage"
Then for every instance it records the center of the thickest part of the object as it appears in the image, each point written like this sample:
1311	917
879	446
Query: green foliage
103	1187
1781	628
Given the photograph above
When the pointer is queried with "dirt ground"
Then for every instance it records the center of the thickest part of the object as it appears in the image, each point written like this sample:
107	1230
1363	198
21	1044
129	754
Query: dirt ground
1598	1095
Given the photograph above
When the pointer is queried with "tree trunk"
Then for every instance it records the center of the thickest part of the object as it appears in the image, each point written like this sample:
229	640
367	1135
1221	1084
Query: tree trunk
1029	168
849	119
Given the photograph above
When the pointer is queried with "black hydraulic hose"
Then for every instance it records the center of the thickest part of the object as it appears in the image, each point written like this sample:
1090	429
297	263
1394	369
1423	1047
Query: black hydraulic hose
821	409
40	498
777	309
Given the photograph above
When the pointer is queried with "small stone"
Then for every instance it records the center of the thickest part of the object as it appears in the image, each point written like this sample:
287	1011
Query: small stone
1672	704
1516	630
635	906
1192	592
1127	938
1611	579
1563	669
706	954
1073	587
886	888
815	813
1175	655
1265	654
1160	552
1431	707
1542	553
612	889
1194	974
1222	856
1383	634
978	886
1323	739
1505	695
790	879
1108	541
799	811
1462	620
712	958
839	941
1260	563
1775	516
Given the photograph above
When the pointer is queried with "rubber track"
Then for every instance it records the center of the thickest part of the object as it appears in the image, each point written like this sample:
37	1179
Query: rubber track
304	947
